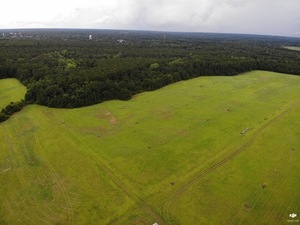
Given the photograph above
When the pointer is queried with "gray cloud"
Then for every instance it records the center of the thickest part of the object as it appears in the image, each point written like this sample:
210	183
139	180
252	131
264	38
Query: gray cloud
275	17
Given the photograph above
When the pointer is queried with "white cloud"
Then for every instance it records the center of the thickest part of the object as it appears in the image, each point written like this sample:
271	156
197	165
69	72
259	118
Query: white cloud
261	17
279	17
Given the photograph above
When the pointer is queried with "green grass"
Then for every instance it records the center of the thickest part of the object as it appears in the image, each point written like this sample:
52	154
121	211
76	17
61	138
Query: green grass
11	90
294	48
161	157
234	191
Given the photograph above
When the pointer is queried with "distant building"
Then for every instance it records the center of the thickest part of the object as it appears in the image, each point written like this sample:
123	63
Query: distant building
90	37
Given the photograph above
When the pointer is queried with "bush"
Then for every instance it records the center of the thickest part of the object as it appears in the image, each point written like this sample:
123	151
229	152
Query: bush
3	117
11	109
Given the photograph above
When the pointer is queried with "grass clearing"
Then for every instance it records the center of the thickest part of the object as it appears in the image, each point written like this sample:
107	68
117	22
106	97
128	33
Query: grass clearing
294	48
122	162
11	90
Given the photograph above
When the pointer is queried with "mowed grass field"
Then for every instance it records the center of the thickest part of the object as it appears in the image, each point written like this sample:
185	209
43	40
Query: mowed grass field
11	90
171	156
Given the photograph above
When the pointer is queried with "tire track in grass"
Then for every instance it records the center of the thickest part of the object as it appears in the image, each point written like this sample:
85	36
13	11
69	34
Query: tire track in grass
112	176
57	181
51	219
61	184
14	204
123	187
11	201
183	188
22	148
14	162
119	183
10	147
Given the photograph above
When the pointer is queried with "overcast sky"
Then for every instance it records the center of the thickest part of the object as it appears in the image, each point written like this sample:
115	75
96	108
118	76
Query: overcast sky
273	17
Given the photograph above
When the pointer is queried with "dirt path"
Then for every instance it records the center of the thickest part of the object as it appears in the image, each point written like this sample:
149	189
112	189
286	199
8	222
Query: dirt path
183	188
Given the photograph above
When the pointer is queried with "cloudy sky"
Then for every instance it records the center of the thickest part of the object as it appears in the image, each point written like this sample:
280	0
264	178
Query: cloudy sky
273	17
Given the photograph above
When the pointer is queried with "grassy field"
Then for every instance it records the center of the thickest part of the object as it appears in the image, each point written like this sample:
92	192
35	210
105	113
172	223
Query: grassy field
295	48
172	156
11	90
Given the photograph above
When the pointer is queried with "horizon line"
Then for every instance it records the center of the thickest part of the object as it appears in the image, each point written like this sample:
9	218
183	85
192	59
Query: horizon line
149	30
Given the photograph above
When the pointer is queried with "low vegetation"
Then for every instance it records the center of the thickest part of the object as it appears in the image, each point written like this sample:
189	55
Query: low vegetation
172	156
12	94
10	109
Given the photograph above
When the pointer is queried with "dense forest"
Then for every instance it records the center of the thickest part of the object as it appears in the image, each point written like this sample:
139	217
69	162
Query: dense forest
74	68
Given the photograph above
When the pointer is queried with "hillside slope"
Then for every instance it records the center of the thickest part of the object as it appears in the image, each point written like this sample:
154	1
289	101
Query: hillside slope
172	156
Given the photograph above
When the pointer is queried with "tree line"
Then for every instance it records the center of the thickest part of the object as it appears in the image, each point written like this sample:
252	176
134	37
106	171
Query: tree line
66	70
